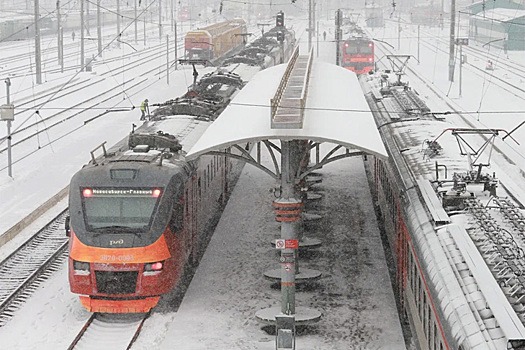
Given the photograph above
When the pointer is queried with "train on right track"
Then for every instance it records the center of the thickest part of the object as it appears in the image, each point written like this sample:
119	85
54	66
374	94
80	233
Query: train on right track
455	232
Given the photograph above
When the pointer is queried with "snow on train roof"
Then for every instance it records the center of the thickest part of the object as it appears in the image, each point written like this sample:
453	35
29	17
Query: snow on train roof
186	128
337	112
451	249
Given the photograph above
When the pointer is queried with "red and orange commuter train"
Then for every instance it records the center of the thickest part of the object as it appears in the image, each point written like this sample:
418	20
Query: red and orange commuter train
357	54
138	215
140	211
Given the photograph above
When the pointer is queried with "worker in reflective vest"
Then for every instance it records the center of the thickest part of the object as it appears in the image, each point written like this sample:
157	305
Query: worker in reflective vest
144	108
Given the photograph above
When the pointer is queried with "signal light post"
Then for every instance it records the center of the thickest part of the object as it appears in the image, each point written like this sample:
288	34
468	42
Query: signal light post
280	40
279	20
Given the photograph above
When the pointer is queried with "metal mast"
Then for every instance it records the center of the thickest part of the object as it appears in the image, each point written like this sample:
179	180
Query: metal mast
38	58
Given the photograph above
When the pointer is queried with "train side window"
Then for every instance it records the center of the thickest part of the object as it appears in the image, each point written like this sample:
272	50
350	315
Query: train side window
186	207
423	314
420	296
428	316
412	270
436	339
199	187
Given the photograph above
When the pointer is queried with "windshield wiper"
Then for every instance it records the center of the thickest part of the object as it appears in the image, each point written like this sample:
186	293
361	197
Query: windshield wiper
116	229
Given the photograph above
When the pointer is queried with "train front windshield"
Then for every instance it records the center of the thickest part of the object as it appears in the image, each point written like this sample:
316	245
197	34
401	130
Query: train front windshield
122	208
359	48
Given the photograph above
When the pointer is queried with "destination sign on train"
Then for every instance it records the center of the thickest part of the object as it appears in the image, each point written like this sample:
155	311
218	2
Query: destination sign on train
122	191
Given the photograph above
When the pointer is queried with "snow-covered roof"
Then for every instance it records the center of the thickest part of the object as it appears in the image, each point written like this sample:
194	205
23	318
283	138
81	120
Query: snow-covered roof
502	14
336	112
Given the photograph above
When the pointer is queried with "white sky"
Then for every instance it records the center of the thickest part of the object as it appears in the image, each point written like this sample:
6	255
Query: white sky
53	315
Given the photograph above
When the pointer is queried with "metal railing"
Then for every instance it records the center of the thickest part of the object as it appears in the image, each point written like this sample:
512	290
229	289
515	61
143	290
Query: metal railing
296	104
275	101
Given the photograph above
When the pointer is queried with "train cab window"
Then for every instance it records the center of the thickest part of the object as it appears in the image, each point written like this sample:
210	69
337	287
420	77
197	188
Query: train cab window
126	208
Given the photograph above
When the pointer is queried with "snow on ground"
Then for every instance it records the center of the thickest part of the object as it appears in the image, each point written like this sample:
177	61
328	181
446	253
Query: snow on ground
50	318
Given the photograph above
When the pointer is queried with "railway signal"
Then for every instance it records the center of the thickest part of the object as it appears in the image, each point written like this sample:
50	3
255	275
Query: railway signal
279	20
280	36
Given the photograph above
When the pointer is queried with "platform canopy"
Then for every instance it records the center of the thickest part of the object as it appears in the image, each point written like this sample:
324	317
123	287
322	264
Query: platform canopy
335	112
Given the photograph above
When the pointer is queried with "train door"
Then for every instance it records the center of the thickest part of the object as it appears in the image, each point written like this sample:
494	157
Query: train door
224	168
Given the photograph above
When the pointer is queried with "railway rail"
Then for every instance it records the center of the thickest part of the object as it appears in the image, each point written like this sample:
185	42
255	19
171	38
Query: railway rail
109	331
500	77
30	264
48	245
43	124
439	95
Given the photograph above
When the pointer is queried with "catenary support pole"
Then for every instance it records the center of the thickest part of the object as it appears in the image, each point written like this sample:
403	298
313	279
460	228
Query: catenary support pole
59	38
9	158
176	40
87	18
460	67
168	59
310	29
452	40
81	35
61	49
38	53
99	30
136	22
160	20
118	22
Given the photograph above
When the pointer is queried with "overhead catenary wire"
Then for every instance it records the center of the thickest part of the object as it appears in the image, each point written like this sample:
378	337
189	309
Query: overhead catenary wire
77	73
320	109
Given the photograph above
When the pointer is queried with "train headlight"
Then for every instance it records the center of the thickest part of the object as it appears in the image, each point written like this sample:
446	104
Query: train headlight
151	268
81	267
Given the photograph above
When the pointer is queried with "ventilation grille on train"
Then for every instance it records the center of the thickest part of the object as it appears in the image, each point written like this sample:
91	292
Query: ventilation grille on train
122	282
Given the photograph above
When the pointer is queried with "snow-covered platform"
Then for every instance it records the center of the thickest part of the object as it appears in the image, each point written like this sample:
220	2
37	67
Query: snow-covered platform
354	293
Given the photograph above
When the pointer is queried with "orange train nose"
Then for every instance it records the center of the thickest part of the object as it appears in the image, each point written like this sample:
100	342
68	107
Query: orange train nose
119	305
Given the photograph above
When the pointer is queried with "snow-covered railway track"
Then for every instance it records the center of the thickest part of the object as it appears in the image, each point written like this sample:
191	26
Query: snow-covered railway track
42	124
23	271
109	331
467	122
501	77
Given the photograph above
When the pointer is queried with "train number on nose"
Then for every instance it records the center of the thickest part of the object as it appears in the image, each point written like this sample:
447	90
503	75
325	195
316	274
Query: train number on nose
116	258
